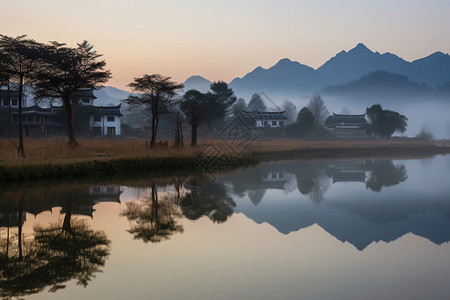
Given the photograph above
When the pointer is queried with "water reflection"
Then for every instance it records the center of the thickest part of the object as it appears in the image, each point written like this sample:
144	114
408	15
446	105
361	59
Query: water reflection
350	214
153	219
357	202
53	253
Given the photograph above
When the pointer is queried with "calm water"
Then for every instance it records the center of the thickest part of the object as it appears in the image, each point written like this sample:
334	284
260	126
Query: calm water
372	229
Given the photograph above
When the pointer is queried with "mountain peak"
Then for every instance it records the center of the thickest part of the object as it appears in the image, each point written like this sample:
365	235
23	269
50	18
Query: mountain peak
284	60
198	83
360	48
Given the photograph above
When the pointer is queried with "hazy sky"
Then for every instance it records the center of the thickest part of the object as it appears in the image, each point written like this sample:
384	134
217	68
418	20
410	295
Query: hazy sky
221	40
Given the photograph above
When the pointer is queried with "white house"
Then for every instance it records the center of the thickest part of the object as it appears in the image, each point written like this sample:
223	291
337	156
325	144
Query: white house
107	121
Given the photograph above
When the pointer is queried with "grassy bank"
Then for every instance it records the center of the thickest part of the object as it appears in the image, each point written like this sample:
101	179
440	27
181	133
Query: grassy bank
52	158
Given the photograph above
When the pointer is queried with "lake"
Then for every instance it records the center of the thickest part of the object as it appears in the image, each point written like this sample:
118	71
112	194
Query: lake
353	229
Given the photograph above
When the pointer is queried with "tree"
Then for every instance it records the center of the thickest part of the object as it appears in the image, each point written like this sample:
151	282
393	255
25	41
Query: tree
383	123
19	58
317	107
3	117
153	220
219	102
238	107
303	125
67	71
5	81
384	173
194	107
157	92
290	111
256	103
81	118
305	120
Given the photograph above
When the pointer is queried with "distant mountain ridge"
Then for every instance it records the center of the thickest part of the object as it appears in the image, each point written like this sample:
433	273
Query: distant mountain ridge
291	78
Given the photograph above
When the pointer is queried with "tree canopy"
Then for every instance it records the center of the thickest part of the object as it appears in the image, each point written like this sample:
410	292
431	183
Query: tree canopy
66	71
19	60
193	105
156	93
383	123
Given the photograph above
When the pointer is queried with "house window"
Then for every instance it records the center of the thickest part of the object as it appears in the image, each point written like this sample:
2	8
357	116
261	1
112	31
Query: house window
265	123
281	123
5	102
86	100
274	123
111	118
14	102
97	118
110	131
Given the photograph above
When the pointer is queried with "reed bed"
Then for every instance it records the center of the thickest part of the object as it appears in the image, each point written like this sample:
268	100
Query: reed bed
53	158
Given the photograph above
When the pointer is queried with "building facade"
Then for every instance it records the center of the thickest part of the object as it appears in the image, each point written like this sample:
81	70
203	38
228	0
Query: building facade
346	126
106	122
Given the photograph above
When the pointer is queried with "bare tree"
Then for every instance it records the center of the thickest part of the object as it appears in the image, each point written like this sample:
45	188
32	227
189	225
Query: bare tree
290	111
317	107
156	98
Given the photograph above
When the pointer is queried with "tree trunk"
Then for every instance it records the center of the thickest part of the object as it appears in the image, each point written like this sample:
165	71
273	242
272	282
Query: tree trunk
9	110
20	150
154	130
20	231
69	121
194	134
66	223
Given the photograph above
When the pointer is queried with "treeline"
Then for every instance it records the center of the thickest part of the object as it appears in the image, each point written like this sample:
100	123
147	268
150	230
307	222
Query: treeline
53	70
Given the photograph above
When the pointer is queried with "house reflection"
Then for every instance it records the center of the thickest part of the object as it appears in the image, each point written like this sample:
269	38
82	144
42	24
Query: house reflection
365	214
350	171
55	253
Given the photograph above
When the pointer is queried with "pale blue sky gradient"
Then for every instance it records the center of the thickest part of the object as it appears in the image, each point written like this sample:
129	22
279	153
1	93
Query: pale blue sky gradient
224	39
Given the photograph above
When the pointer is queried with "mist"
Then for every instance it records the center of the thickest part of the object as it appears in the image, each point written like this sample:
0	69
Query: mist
431	114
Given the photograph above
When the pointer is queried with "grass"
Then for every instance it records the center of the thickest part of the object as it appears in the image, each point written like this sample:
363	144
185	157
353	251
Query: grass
53	158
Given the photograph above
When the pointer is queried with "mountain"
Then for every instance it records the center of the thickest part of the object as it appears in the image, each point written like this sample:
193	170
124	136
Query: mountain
433	70
351	65
379	85
285	77
197	83
109	96
291	79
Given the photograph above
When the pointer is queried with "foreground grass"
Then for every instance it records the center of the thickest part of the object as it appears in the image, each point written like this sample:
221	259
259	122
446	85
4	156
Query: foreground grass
53	158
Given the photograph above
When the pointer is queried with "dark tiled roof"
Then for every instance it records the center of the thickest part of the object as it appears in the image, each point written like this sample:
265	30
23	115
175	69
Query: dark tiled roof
273	115
346	120
109	110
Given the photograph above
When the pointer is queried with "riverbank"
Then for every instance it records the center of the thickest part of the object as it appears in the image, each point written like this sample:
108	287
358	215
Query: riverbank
53	159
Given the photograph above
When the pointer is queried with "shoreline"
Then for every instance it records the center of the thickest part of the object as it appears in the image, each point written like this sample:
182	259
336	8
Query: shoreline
188	160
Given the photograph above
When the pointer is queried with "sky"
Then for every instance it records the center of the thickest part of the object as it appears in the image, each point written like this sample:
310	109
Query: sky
221	40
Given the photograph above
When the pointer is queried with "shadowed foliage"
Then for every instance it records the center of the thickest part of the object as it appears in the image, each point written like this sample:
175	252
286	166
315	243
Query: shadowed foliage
67	71
383	123
155	98
20	58
153	220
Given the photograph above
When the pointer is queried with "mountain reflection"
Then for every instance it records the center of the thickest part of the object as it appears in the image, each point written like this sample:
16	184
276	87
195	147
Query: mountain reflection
360	217
52	254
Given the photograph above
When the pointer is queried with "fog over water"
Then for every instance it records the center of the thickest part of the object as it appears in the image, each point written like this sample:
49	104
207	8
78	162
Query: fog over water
429	114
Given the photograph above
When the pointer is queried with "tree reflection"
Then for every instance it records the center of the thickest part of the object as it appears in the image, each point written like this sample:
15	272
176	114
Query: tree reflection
384	173
207	198
51	255
153	220
312	180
